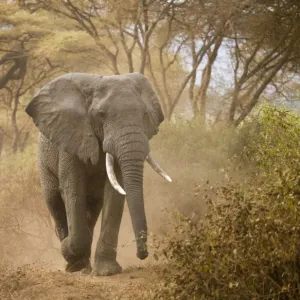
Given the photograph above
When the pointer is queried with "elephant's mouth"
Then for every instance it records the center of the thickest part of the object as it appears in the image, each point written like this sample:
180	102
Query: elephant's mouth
113	179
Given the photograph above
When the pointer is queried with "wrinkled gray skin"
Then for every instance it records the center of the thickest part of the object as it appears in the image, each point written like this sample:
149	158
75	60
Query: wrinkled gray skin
81	117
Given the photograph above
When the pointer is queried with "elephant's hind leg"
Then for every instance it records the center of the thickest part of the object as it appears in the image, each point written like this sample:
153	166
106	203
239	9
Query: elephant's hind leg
57	210
54	201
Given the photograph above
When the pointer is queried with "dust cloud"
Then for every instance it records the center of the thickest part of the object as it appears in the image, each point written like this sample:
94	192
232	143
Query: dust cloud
28	236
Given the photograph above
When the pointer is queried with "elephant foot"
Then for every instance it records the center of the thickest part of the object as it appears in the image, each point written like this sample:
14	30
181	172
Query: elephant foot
76	254
86	271
81	265
107	268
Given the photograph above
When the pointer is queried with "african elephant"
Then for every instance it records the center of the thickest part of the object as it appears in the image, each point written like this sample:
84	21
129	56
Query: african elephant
94	134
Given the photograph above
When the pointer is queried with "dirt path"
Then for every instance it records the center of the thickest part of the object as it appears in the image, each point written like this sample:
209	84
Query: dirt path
32	282
131	284
51	282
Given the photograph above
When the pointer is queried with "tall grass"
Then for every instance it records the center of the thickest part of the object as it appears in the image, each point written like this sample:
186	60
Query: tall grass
24	220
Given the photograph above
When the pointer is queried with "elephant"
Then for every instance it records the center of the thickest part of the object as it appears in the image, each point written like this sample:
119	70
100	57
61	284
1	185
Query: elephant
94	134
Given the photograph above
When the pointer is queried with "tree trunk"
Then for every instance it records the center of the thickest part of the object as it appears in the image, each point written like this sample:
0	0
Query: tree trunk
206	77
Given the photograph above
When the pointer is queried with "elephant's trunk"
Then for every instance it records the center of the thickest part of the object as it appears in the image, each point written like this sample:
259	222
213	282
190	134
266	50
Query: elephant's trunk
133	183
131	161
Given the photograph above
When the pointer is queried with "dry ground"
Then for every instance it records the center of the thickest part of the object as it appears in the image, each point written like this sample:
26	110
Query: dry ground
33	282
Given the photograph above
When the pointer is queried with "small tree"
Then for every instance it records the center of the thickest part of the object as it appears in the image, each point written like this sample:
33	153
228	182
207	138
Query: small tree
22	70
265	41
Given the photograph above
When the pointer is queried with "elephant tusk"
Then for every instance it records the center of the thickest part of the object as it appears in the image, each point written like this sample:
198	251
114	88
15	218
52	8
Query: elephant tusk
157	168
111	174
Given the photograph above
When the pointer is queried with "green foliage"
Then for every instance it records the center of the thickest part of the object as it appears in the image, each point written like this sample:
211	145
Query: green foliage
274	141
247	246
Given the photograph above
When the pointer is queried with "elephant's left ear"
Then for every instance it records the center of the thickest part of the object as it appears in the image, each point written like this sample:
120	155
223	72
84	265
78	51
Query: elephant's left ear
149	97
59	110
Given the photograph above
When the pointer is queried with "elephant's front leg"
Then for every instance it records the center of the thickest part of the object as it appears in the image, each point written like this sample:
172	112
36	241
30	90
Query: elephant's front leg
76	247
106	251
94	206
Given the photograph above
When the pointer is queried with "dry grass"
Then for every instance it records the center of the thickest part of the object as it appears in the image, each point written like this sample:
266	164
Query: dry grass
24	221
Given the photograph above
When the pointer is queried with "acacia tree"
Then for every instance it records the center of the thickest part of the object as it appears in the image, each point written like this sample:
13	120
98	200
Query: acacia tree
176	43
205	28
150	36
265	41
192	31
39	70
15	72
122	32
22	70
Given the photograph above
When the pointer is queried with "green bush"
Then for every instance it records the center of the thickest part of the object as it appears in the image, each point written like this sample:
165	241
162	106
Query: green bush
271	142
247	246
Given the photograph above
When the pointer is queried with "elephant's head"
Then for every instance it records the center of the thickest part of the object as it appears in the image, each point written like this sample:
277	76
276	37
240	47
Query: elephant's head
84	114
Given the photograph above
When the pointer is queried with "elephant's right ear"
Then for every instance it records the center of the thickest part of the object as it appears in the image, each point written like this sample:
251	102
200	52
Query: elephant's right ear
59	110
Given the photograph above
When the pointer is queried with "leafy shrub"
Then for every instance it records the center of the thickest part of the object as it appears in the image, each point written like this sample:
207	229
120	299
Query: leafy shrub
271	142
247	246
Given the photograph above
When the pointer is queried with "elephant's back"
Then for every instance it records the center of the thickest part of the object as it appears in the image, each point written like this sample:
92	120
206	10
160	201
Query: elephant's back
48	154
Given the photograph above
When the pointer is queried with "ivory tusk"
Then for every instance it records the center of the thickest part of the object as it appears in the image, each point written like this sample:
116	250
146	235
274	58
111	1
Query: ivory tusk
157	168
111	174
